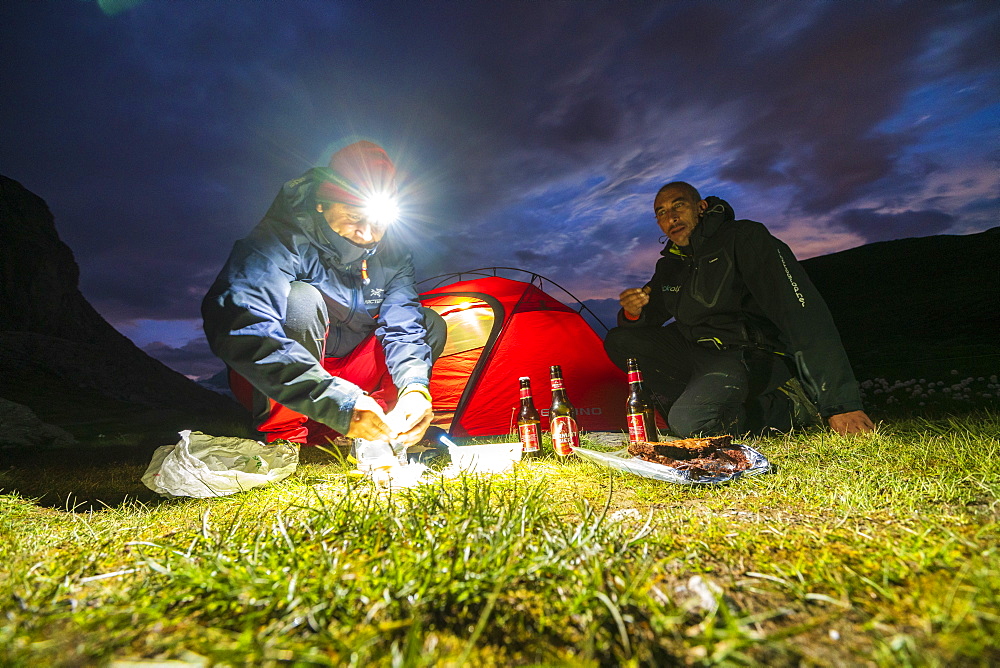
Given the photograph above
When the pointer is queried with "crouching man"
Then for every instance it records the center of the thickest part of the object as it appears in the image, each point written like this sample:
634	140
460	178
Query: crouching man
752	344
316	314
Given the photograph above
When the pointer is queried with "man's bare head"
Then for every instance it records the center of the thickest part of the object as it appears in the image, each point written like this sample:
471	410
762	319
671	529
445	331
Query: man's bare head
685	187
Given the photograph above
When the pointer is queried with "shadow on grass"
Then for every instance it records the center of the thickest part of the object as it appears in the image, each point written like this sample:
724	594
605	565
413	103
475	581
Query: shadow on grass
93	477
81	479
105	468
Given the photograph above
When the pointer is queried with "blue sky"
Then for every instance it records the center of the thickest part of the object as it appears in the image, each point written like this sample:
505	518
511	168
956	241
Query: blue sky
529	134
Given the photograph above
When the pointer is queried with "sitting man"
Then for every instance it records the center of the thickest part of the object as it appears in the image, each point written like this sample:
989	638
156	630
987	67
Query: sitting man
746	321
316	314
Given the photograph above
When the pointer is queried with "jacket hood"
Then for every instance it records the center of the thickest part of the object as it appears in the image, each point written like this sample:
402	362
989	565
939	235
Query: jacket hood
718	212
296	205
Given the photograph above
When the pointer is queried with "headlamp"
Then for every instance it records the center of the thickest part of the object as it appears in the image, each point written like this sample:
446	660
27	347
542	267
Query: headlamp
381	209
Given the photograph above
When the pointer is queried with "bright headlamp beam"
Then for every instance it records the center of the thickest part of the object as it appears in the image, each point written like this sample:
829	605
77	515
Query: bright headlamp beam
381	209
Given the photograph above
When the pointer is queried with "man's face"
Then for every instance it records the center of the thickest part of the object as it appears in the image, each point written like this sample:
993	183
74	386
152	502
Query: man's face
677	214
351	223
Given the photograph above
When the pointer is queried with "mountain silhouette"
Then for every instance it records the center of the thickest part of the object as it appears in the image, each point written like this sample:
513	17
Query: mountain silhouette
919	305
63	361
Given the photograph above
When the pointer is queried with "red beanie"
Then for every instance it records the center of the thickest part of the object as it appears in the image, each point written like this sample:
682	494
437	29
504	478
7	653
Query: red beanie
359	170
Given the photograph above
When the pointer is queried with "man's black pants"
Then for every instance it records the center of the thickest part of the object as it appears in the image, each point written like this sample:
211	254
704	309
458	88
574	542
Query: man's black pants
706	391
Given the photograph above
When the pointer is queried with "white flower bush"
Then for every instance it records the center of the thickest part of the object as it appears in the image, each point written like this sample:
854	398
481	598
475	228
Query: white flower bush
965	394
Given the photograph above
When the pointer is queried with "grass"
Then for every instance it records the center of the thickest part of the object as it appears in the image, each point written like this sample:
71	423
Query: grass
875	550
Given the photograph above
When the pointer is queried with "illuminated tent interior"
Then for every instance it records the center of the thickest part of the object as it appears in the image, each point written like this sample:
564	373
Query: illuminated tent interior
501	329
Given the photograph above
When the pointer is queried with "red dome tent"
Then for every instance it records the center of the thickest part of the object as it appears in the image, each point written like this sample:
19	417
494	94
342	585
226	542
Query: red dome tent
500	329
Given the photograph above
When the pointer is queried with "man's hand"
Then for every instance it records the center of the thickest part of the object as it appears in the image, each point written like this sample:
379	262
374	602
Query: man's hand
633	300
854	422
368	421
411	416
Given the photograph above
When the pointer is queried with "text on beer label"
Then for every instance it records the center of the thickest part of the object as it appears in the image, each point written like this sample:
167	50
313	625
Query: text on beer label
531	437
637	432
565	435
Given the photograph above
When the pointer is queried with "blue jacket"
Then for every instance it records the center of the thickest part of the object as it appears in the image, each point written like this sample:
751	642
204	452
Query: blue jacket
244	309
736	286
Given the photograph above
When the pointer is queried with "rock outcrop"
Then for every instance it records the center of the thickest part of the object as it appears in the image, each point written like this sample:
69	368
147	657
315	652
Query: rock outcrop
21	428
57	353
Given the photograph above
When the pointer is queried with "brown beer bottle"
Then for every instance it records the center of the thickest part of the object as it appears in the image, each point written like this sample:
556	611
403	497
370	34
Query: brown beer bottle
639	408
562	424
529	422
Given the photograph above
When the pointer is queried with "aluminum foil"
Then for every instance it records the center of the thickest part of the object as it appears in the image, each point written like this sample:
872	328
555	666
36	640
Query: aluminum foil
623	461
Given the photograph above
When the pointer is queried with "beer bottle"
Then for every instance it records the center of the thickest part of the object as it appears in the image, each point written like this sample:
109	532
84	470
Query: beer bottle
639	408
528	422
562	424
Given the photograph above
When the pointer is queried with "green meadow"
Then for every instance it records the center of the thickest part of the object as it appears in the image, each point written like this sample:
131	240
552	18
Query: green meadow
873	550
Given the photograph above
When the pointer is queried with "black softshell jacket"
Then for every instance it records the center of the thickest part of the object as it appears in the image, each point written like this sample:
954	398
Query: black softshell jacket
244	309
736	285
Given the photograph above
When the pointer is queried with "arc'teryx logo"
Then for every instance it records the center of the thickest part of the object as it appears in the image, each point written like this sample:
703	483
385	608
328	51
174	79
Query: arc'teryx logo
377	292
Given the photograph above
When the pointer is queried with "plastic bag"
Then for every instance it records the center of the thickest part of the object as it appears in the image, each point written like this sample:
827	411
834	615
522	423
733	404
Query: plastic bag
623	461
202	466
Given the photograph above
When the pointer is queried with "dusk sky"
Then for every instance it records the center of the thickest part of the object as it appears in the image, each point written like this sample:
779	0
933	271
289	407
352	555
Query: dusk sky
527	134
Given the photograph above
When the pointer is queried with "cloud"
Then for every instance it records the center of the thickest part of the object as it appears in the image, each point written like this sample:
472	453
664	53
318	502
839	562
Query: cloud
812	113
875	226
533	134
528	257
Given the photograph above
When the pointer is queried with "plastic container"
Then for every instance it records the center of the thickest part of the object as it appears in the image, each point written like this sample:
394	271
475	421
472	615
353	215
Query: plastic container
374	454
485	458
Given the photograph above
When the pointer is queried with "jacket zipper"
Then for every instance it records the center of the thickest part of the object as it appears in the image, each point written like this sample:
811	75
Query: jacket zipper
358	289
687	287
350	314
355	292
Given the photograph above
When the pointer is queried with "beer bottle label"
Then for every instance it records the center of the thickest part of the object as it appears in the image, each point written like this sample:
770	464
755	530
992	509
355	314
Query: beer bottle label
637	431
634	377
531	437
565	435
525	393
557	384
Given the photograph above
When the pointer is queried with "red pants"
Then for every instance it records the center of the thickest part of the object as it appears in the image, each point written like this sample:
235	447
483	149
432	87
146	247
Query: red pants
364	366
